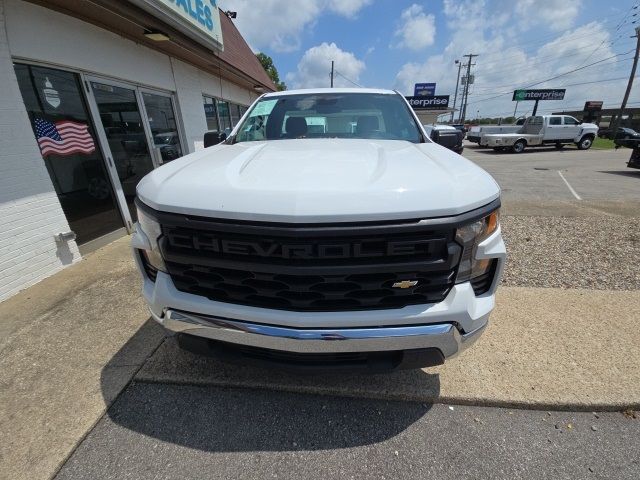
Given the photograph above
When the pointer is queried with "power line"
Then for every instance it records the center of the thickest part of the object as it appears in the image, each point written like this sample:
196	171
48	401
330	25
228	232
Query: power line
538	61
543	40
572	84
348	79
556	76
618	27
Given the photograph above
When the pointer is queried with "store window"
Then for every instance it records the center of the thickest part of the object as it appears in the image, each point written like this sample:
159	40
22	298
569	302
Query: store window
224	116
234	110
67	139
211	114
221	115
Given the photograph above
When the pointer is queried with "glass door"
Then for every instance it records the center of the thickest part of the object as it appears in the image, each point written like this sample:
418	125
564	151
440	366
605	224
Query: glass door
125	133
162	125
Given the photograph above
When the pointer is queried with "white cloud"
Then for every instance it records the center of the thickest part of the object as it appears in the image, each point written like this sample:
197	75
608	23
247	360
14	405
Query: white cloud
505	63
314	68
418	30
278	24
555	14
347	8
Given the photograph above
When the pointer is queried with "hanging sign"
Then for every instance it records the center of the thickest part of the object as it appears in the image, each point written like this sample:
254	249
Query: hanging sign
50	94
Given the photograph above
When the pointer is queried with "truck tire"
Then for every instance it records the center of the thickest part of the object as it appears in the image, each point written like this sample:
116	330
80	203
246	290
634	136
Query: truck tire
519	146
559	146
585	142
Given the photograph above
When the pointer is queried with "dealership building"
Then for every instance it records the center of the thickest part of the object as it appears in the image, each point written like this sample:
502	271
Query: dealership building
95	94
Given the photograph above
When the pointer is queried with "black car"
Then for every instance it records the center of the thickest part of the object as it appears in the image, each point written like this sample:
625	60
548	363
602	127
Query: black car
624	133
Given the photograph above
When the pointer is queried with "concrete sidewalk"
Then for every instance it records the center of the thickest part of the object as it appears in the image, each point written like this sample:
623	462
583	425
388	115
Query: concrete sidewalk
72	343
69	345
544	348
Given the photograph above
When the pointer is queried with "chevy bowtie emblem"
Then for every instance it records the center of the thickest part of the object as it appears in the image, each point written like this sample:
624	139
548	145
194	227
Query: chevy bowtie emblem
405	284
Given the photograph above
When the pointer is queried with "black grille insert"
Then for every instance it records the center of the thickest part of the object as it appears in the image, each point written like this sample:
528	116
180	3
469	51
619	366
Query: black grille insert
310	268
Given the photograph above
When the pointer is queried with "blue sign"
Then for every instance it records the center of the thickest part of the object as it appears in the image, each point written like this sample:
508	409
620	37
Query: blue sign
424	89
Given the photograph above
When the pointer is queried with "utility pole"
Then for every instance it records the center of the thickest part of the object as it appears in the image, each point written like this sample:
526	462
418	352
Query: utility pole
331	73
461	98
455	96
467	83
629	85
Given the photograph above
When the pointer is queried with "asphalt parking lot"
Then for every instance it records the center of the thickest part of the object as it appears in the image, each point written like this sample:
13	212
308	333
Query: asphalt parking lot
94	389
568	182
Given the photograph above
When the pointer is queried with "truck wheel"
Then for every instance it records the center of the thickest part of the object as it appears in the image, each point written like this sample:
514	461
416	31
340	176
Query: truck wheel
585	143
559	146
519	146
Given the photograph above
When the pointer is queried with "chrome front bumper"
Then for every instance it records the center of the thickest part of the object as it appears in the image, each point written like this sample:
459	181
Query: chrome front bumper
444	336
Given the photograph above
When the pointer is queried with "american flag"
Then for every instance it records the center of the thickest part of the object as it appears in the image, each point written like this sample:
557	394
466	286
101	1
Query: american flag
63	138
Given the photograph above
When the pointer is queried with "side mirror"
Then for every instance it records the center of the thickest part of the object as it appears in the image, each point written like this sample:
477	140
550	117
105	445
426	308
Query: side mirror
213	138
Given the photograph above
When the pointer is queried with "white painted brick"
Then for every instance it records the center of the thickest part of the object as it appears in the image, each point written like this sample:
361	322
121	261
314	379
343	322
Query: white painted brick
30	213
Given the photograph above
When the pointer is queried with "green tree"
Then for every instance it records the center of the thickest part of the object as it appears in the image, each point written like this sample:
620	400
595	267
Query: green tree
270	68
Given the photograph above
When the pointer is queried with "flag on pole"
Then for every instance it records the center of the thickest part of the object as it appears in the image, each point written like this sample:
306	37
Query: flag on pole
63	138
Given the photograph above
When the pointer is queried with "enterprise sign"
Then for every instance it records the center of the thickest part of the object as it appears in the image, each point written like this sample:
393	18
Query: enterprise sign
199	19
434	102
540	94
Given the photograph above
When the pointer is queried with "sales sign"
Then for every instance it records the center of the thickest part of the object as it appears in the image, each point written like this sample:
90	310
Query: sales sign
433	102
540	94
424	89
198	19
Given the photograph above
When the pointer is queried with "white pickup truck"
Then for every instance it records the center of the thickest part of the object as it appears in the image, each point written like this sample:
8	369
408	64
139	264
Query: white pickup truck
336	247
558	130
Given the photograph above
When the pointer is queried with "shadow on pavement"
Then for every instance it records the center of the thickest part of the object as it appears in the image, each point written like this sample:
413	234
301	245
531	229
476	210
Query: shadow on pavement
219	419
623	173
190	400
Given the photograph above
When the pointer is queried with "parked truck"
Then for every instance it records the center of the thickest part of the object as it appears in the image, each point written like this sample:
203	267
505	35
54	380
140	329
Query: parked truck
557	130
372	248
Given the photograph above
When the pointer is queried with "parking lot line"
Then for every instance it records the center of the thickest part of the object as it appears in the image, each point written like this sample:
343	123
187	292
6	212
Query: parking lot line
575	194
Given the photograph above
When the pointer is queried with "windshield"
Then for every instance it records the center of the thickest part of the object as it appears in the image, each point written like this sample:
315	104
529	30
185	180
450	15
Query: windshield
330	115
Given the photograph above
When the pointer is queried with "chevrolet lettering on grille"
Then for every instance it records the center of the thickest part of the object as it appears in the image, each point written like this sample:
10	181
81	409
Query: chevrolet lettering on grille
274	249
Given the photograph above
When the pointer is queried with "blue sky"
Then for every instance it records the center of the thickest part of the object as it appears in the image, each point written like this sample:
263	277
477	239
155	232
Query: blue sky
393	44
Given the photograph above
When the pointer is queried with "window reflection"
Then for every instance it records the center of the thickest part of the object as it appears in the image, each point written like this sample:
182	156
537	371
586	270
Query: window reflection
164	128
80	179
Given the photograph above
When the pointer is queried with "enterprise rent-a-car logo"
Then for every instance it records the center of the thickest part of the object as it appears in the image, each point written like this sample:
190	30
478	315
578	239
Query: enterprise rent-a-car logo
540	94
435	102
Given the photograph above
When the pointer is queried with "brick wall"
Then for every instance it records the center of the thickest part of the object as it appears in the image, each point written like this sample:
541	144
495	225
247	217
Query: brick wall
30	214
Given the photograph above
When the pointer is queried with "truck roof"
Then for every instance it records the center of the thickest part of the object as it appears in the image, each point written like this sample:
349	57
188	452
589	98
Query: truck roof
308	91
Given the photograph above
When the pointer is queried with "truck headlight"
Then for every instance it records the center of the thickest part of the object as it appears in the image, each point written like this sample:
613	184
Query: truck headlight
469	236
151	228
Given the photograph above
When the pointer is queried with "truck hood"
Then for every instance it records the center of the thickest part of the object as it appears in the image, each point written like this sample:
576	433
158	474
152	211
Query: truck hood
319	180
